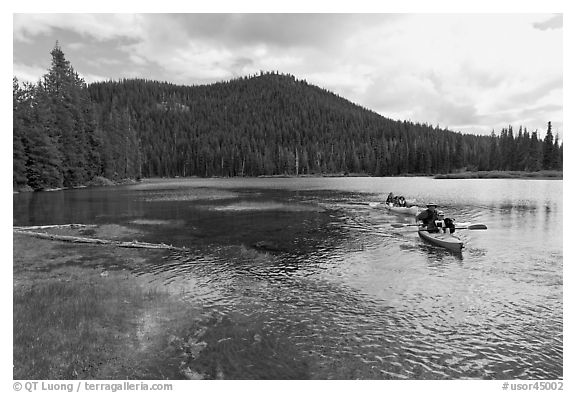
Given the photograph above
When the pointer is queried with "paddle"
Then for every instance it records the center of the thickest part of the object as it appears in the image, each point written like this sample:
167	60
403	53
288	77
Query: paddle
474	227
470	227
398	225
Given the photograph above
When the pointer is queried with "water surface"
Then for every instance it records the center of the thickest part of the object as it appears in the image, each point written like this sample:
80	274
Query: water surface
320	273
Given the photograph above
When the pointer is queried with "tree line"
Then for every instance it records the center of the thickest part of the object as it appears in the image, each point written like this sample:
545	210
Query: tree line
67	132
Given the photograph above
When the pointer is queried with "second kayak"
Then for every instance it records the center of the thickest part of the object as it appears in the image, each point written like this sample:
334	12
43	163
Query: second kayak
412	211
441	239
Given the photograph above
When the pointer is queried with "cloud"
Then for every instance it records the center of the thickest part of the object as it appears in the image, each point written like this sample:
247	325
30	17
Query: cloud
91	78
100	26
470	70
348	82
530	94
28	73
76	46
554	22
281	30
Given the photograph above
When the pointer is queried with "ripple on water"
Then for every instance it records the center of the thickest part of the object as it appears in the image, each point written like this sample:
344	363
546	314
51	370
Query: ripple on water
365	300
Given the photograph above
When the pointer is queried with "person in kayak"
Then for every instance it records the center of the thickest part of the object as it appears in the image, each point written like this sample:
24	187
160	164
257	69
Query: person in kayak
396	201
445	223
402	201
429	217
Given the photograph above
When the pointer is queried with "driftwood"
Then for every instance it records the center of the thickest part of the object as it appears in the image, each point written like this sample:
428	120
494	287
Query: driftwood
76	239
36	227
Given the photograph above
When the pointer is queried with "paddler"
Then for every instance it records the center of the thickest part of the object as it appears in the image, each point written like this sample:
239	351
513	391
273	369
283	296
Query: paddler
429	217
390	199
402	201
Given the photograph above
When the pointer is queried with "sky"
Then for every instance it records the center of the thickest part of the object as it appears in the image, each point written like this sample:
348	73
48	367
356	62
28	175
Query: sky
471	72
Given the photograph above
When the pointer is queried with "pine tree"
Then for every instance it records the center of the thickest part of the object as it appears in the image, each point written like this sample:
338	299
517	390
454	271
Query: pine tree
548	152
21	109
557	161
66	91
535	163
44	160
523	149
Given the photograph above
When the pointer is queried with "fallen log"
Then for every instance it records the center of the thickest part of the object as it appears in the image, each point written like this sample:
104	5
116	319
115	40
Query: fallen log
76	239
36	227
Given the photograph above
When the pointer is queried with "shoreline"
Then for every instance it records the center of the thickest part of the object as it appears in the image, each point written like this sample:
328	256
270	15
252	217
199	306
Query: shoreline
98	181
540	175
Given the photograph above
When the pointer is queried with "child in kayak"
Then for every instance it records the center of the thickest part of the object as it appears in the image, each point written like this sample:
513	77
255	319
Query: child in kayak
402	202
445	223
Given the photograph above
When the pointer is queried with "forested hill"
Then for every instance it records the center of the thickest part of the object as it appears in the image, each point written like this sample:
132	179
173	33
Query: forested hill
67	132
265	125
274	124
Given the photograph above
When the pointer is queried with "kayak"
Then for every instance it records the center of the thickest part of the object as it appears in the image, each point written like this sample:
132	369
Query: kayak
412	210
441	239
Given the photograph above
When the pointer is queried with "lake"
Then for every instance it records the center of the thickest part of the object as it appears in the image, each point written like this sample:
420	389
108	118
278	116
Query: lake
316	267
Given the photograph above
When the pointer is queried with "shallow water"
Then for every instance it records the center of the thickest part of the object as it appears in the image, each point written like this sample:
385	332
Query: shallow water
332	290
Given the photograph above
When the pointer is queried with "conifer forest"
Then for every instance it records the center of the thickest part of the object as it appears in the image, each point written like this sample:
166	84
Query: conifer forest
67	132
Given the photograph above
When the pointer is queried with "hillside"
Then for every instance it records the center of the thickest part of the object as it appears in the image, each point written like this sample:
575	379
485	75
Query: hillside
269	124
67	133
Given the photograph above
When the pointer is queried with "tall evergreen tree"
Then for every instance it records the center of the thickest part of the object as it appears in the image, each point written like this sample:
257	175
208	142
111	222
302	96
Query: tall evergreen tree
535	163
21	110
65	89
44	159
548	152
557	161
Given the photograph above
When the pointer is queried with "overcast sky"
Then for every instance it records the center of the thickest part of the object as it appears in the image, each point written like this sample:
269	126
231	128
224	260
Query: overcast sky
469	73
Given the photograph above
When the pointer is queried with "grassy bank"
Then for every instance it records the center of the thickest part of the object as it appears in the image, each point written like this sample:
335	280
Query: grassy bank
503	175
77	328
79	313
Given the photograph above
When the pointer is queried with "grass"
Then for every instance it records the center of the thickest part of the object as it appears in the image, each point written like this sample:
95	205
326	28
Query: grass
78	313
68	330
502	175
